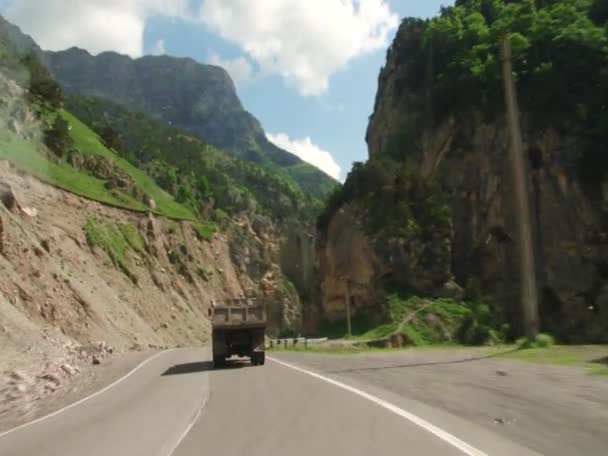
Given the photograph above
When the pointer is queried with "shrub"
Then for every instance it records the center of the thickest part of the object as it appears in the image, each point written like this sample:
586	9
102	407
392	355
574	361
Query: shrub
204	231
544	340
132	237
541	341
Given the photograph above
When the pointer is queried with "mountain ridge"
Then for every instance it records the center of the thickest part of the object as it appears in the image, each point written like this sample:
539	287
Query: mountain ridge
198	98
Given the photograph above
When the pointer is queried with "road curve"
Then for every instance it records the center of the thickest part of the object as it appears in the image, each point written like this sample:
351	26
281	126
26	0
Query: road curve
176	405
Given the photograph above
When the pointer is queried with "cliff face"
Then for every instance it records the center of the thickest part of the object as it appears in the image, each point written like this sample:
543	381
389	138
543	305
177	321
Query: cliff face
354	264
466	152
348	264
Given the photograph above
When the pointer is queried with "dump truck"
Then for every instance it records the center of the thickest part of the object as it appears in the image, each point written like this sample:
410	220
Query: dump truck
238	327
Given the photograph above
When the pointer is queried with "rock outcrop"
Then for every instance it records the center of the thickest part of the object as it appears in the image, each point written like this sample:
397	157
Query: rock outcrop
348	265
466	152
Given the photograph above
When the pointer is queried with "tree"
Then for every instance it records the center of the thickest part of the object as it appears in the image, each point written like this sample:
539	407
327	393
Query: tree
112	139
599	12
184	194
203	188
41	84
57	138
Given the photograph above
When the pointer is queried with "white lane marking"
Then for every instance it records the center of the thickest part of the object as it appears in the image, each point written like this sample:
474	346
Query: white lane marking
97	393
469	450
191	424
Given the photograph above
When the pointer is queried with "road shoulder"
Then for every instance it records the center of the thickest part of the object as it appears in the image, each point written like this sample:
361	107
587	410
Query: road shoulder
86	383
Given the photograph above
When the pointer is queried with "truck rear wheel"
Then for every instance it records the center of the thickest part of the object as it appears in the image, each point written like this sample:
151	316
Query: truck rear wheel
219	361
257	359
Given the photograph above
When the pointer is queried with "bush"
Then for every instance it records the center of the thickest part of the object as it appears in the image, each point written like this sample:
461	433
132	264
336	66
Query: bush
544	340
414	336
476	328
541	341
132	236
220	218
111	239
204	231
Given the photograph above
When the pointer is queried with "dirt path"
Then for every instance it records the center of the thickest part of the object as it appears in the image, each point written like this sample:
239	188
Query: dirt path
409	318
551	409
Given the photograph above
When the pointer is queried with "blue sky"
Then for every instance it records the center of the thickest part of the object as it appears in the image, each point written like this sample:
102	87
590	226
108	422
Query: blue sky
312	109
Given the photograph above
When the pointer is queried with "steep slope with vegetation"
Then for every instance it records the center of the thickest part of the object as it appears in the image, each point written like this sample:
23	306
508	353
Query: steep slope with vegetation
216	187
196	173
438	164
199	99
141	263
130	160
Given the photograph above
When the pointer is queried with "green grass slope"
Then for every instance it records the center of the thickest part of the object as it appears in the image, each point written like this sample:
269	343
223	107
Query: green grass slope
423	322
194	171
88	143
31	157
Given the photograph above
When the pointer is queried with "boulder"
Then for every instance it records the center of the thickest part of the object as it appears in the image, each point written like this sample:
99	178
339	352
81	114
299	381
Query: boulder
7	196
69	369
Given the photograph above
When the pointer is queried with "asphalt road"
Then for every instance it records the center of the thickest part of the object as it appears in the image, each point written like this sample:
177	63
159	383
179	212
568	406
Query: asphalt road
175	404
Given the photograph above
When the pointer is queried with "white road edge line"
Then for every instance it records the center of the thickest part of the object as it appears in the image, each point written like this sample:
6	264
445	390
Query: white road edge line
192	423
84	399
469	450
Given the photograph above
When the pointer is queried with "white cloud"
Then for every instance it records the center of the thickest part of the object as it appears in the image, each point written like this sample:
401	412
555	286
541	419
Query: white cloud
303	41
158	48
94	25
307	151
239	69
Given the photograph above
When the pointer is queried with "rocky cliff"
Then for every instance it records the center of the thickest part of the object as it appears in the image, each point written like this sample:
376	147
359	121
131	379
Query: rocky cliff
462	145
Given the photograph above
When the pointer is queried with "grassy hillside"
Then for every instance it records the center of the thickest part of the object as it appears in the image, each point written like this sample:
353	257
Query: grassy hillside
196	98
34	116
209	179
422	321
88	143
25	155
30	157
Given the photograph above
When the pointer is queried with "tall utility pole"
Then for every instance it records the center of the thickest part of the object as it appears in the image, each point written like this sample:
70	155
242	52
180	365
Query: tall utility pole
522	216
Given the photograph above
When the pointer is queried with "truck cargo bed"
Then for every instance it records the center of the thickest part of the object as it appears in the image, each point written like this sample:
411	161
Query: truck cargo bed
238	327
228	316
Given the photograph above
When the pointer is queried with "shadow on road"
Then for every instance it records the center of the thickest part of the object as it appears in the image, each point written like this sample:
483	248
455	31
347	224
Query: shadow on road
423	364
189	368
603	360
203	366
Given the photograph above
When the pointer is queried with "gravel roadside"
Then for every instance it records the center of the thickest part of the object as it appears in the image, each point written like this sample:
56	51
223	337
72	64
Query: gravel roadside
25	397
554	410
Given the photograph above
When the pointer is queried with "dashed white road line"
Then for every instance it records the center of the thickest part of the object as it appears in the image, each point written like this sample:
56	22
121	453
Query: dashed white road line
91	396
467	449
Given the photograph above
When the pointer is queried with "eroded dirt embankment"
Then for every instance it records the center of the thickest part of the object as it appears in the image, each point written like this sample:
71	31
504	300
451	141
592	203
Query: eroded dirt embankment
65	306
